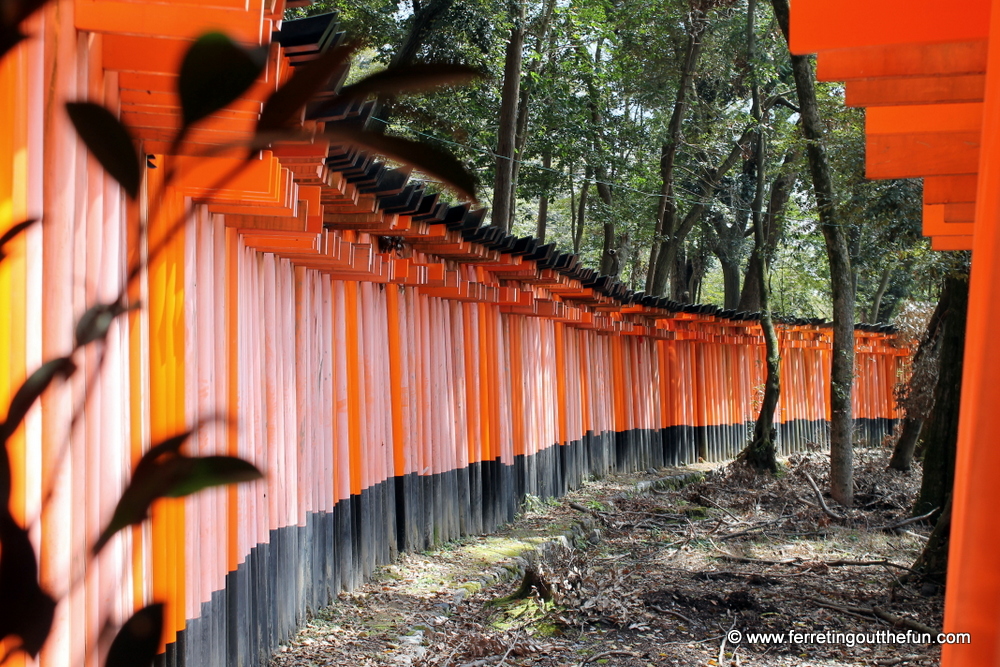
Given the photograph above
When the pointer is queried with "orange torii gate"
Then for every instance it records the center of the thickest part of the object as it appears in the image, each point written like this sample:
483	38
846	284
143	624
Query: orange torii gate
929	73
394	399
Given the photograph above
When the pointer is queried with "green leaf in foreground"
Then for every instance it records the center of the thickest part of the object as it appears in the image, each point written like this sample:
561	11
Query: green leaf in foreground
138	641
429	159
306	81
27	611
12	233
32	388
163	472
109	141
417	78
214	73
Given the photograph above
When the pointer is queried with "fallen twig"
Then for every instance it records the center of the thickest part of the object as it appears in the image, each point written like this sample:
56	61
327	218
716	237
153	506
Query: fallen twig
722	646
806	502
509	648
743	559
822	503
598	656
905	622
912	534
906	522
672	613
902	658
594	513
761	526
897	621
720	507
862	563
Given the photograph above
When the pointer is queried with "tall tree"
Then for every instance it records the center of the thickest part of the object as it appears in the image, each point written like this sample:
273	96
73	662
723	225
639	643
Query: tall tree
940	435
503	183
781	189
667	225
761	452
841	277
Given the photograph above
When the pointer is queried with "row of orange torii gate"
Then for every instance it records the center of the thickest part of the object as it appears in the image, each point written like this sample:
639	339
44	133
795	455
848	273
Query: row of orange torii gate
397	394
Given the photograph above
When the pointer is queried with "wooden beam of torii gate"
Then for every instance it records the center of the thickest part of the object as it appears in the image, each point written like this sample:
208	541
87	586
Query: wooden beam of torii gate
930	72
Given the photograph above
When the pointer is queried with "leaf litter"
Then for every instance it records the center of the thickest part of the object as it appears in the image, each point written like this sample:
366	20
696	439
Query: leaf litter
655	578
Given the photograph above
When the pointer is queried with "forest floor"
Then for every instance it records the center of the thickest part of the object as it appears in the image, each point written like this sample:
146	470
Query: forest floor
665	577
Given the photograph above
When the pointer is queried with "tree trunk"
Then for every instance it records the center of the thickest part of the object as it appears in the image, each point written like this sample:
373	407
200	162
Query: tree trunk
503	197
424	18
940	432
902	452
666	214
877	299
597	168
524	99
932	563
582	214
841	278
667	255
781	189
761	452
543	202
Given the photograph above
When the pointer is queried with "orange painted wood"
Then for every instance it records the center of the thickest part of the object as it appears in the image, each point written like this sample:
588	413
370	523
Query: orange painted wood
915	90
950	189
902	60
814	27
900	155
174	19
952	243
923	119
936	222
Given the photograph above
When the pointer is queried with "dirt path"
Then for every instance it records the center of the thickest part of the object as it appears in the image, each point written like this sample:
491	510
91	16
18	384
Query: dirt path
668	577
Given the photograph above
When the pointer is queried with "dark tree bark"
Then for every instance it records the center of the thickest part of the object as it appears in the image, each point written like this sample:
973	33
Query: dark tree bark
541	32
425	16
598	169
932	563
708	184
727	248
902	452
917	402
503	196
761	452
880	292
841	277
940	433
781	189
543	203
666	214
581	217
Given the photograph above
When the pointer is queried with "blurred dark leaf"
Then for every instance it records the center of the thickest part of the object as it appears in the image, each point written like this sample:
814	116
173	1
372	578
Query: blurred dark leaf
27	610
12	233
164	472
13	13
94	324
195	474
282	106
137	643
429	159
416	78
214	73
32	388
109	141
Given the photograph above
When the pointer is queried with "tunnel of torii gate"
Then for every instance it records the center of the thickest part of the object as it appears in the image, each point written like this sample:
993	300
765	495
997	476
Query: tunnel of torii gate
403	374
928	72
